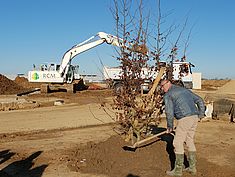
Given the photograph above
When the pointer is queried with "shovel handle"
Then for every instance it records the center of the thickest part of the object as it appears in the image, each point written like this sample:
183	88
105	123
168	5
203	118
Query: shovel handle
139	143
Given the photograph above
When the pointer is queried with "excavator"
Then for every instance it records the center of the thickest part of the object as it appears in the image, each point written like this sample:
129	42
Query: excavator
65	76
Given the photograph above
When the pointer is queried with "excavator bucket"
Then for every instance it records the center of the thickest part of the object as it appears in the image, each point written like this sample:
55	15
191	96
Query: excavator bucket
140	49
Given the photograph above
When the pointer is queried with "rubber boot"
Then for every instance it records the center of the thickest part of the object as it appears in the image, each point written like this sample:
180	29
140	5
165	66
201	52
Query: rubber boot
192	163
177	171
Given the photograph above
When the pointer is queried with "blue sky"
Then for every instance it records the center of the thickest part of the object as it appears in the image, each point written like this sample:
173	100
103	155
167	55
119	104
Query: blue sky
37	31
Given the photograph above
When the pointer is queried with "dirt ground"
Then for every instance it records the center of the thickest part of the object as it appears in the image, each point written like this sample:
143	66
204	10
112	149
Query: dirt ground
77	139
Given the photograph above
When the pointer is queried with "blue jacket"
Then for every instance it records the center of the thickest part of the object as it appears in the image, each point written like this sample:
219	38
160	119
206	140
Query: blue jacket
181	102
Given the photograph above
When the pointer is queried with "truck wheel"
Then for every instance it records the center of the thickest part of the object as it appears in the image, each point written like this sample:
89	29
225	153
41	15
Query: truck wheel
118	88
188	85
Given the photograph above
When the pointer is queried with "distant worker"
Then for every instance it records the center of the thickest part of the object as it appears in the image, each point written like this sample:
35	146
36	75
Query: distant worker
231	113
187	108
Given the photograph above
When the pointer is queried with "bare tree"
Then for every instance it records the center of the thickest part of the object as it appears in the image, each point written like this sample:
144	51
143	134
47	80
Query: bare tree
137	112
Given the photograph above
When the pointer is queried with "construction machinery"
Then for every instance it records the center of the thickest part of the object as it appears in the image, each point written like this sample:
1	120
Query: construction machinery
65	76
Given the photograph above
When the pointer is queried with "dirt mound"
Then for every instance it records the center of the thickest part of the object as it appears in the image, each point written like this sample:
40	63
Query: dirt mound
8	86
228	88
22	81
109	158
213	84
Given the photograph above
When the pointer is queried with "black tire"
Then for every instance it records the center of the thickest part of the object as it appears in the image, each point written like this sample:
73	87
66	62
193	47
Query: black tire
188	85
118	88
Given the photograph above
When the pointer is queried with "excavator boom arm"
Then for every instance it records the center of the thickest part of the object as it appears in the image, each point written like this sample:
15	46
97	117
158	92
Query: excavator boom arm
87	45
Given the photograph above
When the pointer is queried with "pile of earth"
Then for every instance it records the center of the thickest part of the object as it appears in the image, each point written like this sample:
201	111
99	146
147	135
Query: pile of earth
8	86
228	88
109	158
213	84
22	81
223	98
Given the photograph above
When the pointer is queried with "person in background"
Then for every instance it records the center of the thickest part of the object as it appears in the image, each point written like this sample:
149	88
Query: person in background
187	108
232	113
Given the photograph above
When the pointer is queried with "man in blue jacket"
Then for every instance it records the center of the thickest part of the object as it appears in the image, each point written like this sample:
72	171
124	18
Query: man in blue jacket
186	107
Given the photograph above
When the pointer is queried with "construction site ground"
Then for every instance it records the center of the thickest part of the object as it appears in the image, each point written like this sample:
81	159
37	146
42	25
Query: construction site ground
72	135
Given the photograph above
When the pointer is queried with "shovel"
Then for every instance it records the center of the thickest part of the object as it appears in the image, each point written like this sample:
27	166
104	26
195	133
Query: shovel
145	141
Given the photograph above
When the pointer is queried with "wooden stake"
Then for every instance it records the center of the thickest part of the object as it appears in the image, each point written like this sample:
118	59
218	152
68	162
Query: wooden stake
156	81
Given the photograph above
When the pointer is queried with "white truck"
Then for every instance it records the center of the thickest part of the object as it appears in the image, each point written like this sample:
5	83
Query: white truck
182	74
65	75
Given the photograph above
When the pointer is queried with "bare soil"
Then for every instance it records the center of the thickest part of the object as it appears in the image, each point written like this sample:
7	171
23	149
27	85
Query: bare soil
109	158
77	139
213	84
8	86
